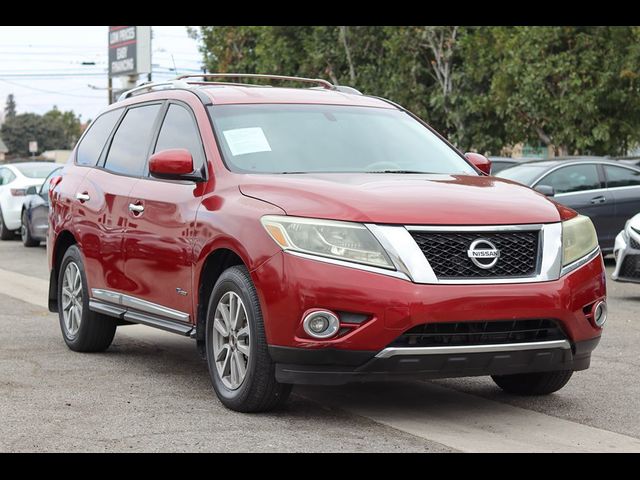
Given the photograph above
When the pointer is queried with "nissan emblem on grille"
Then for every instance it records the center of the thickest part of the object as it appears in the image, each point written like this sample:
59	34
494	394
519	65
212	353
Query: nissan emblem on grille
483	253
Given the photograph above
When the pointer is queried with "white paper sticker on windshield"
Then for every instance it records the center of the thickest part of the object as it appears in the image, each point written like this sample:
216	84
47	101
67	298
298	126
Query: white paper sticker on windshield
246	140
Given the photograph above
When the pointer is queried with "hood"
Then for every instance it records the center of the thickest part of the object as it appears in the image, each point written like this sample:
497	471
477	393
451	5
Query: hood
403	198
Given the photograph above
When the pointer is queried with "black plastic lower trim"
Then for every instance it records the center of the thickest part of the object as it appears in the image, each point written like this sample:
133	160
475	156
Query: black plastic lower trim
403	367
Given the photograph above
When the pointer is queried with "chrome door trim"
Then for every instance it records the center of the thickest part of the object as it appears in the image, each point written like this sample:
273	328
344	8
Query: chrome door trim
138	304
464	349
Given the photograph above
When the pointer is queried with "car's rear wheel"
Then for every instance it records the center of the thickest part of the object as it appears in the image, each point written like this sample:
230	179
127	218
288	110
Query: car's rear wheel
540	383
241	370
82	329
25	234
5	233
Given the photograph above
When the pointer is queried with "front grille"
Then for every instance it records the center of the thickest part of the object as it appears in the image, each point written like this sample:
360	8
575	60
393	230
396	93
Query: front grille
634	244
480	333
630	267
447	253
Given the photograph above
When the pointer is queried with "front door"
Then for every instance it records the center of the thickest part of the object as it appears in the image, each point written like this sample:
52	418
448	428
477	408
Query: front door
158	242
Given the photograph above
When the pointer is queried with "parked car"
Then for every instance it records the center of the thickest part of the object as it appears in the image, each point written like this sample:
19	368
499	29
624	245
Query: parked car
315	236
502	163
627	252
606	191
35	212
15	178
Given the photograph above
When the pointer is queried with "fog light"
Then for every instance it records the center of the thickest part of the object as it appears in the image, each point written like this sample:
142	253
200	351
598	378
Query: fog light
321	324
600	313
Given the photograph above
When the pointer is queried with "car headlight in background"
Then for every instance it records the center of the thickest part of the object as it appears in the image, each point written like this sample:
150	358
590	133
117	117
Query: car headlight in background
347	241
578	239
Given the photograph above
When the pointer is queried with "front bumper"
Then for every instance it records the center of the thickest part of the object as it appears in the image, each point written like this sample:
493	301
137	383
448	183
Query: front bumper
627	255
288	286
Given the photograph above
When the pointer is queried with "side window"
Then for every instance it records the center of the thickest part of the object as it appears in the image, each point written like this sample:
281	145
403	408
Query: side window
6	176
574	178
179	130
2	170
45	186
621	177
128	152
92	143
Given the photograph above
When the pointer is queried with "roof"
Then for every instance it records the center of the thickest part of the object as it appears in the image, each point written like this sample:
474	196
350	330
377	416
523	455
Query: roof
3	147
552	162
234	94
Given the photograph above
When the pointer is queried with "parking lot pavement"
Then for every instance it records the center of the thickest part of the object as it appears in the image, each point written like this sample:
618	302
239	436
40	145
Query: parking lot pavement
151	392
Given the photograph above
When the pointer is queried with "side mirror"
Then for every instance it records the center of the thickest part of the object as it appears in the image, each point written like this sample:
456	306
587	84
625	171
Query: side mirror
33	190
481	162
547	190
174	164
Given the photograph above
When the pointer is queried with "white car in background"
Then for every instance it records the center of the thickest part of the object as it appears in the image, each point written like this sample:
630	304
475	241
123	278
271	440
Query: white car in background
15	178
627	252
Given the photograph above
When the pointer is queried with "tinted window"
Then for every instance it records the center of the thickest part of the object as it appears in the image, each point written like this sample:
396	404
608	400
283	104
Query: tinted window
45	185
6	176
37	170
573	179
128	152
92	143
621	177
498	166
277	138
179	130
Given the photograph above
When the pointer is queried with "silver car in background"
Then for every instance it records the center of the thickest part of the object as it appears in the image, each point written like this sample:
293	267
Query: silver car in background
627	252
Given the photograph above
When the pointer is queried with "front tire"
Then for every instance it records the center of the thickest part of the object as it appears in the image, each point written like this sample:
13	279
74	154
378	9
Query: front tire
82	329
25	234
526	384
241	370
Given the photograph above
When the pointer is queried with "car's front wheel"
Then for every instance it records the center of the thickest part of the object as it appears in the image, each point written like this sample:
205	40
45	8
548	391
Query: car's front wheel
241	370
82	329
25	233
540	383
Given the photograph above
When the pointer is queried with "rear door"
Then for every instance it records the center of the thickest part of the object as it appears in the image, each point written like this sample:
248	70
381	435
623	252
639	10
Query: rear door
623	185
580	186
159	238
102	200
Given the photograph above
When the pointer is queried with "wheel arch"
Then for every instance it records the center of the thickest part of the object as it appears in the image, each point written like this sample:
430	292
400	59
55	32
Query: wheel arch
64	240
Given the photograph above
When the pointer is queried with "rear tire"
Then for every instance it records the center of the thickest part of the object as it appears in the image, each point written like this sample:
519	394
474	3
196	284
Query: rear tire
82	329
542	383
25	234
5	233
248	383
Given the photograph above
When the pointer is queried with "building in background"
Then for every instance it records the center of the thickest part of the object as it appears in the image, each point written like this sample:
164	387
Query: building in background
58	156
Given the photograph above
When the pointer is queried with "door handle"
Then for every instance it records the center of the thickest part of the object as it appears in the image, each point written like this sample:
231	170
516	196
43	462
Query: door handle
83	197
136	208
598	199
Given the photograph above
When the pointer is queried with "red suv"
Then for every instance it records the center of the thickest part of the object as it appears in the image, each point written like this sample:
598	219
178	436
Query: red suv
315	236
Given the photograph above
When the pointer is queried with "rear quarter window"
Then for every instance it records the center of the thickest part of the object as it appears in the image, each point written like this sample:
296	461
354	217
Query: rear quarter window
92	143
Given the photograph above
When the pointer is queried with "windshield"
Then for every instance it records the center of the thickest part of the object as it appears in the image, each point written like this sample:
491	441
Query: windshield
36	170
525	174
276	138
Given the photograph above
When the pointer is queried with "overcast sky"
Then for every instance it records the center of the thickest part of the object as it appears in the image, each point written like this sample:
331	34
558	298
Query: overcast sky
42	66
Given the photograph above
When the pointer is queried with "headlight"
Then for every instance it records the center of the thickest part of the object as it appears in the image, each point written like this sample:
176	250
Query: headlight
351	242
578	239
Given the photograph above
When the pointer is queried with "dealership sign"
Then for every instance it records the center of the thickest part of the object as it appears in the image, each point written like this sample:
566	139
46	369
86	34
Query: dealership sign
129	50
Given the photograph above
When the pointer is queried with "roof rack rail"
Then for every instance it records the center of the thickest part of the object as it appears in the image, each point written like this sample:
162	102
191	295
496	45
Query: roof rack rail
148	86
318	81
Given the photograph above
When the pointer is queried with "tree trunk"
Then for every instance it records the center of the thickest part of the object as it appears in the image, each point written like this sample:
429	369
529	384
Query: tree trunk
347	51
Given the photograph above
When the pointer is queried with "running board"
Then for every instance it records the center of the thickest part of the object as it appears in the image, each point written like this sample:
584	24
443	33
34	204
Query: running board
135	316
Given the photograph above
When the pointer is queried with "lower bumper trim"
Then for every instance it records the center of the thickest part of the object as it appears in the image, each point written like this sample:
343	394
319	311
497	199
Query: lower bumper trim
442	365
461	349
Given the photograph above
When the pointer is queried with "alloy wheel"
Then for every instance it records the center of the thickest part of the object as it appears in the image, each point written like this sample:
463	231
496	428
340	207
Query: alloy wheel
72	299
231	340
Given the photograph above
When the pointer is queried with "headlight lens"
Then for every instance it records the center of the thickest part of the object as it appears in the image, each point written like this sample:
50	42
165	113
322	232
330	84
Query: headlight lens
351	242
578	239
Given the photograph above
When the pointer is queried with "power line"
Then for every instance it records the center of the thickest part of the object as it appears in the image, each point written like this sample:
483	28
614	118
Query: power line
47	91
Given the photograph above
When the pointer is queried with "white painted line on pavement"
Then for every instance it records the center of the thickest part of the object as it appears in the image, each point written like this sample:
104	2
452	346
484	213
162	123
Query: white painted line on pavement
467	422
24	287
461	421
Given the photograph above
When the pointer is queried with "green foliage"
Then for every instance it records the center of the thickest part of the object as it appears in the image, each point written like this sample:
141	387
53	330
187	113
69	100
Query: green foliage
54	130
10	108
575	89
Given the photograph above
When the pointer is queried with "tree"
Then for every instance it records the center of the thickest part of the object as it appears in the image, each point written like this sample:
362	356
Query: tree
10	108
